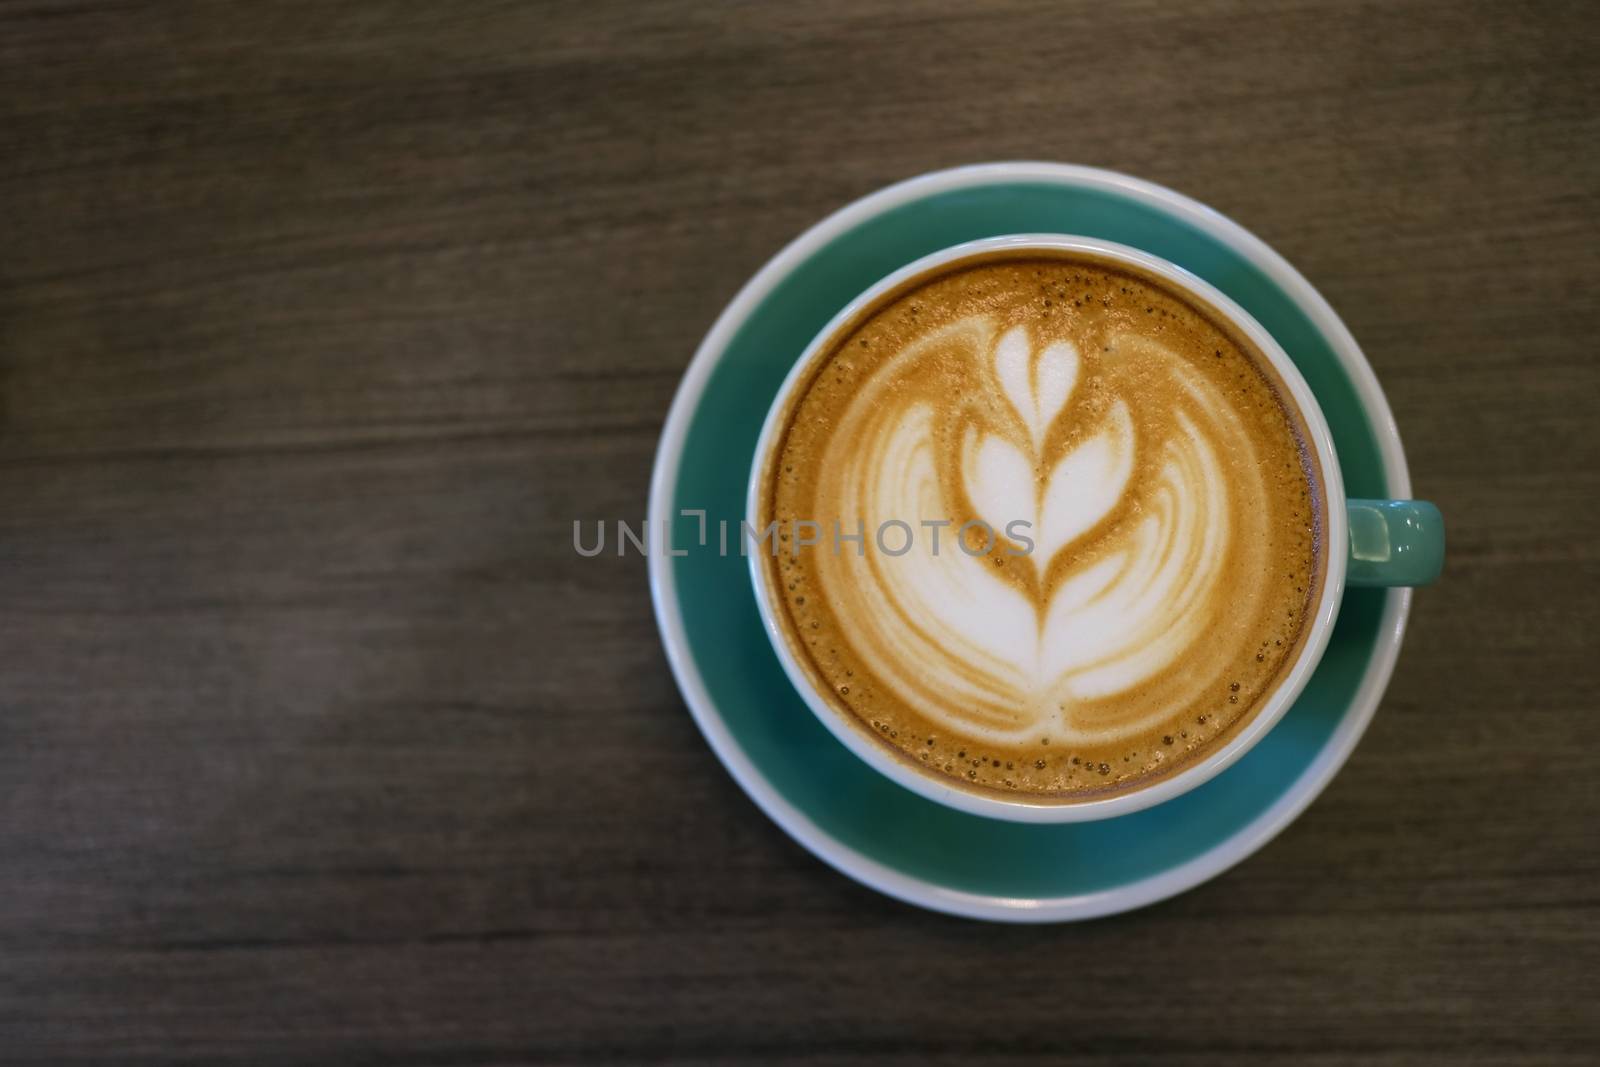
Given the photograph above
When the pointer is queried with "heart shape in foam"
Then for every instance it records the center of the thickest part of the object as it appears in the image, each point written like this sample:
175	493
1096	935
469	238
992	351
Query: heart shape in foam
1081	488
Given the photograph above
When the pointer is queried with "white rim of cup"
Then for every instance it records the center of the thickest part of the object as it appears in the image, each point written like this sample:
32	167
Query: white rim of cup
1021	809
918	892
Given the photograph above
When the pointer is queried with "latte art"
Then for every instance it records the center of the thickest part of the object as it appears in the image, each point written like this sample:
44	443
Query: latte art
1144	495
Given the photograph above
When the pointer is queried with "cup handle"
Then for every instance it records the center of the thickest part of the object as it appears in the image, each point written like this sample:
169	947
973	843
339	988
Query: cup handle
1394	542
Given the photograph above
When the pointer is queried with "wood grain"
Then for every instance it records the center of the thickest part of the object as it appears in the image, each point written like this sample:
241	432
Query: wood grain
320	323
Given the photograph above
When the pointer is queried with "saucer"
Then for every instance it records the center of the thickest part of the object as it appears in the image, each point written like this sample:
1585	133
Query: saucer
820	793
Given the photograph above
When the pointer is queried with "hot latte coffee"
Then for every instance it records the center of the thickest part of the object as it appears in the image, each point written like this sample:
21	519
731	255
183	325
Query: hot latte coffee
1069	525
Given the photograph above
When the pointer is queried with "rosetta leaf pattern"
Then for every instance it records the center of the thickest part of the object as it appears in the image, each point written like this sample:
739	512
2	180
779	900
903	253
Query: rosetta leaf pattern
1003	478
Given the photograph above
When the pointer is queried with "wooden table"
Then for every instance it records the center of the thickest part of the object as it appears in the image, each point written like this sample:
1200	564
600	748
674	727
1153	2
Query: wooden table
320	323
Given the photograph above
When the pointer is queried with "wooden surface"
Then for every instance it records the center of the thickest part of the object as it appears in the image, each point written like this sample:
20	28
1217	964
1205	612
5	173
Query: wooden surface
320	323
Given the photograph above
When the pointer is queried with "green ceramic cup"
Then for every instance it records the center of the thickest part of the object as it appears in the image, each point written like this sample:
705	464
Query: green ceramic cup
1380	543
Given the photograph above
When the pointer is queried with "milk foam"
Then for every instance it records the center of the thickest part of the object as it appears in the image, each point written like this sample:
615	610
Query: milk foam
975	651
1144	455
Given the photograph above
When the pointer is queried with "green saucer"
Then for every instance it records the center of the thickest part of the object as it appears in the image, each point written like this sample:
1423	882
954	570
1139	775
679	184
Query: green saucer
817	790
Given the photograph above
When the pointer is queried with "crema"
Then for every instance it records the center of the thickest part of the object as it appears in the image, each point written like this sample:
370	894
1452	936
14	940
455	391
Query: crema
1070	525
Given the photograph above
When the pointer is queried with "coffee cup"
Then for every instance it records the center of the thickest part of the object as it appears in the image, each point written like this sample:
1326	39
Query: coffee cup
930	647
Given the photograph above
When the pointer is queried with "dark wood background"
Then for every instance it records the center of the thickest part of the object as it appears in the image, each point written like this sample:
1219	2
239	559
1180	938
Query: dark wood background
319	324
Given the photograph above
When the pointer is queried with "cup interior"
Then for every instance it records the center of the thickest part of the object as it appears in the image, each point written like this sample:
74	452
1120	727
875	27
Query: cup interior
1141	795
